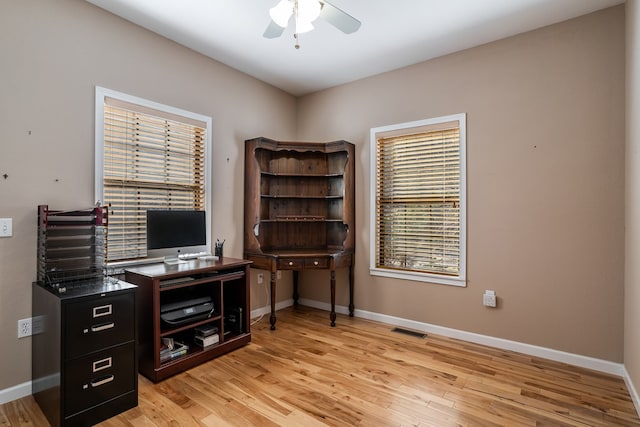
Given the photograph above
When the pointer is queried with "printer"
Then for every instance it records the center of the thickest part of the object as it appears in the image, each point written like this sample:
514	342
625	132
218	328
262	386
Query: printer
185	311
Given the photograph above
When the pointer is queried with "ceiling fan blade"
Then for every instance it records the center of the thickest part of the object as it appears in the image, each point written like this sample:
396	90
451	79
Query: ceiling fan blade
338	18
273	31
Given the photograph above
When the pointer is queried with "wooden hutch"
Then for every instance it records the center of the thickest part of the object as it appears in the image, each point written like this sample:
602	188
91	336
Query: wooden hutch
299	210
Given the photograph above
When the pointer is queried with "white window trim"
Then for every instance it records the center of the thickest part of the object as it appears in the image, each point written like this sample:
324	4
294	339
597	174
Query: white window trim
101	95
459	280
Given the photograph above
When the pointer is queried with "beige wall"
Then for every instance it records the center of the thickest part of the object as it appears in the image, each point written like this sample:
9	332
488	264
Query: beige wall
632	255
545	169
53	54
545	124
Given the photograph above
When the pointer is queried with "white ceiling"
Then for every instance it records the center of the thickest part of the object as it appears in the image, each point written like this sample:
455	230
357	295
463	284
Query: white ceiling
394	33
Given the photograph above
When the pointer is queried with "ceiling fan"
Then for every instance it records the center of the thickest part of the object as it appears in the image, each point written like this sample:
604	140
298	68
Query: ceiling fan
304	13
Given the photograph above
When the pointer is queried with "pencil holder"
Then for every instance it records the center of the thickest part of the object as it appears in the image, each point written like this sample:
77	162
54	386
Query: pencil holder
218	250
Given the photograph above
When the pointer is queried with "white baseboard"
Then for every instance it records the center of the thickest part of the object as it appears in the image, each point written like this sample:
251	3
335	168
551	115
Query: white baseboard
261	311
325	306
632	390
532	350
16	392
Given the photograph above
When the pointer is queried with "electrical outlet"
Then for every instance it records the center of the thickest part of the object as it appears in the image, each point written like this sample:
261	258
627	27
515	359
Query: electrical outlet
24	327
489	298
278	275
260	278
6	227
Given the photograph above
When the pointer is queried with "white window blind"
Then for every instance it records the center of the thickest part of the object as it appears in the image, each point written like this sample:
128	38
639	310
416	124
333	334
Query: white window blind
419	200
152	159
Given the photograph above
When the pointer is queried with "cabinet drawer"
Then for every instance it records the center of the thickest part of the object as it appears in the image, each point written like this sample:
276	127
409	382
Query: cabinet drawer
316	263
290	263
99	377
96	323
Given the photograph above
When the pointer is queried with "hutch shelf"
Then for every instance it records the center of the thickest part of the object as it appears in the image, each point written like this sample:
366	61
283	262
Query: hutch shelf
300	210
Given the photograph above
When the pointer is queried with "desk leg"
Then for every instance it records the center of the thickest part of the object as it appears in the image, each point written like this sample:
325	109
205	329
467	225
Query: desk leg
351	291
295	288
332	316
272	317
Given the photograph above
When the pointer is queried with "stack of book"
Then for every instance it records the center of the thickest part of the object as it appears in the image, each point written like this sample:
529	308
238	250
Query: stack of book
171	349
206	335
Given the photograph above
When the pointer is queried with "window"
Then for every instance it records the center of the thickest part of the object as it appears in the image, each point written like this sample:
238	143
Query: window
148	156
418	203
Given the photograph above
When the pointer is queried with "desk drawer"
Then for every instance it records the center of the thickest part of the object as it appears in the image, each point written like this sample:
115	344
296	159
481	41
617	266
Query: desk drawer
316	263
290	263
99	377
95	323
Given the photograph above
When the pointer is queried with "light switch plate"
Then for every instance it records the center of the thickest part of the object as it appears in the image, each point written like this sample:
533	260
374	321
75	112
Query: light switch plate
6	227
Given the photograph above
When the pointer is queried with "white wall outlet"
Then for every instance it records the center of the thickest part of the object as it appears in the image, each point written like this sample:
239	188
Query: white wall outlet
260	278
489	298
6	227
278	275
24	327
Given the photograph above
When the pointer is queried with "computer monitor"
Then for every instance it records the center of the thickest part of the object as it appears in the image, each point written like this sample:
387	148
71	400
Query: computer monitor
176	232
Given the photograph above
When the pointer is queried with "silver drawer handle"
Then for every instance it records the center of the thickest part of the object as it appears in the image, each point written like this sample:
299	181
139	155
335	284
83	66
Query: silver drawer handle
315	262
290	262
103	381
103	310
99	365
104	327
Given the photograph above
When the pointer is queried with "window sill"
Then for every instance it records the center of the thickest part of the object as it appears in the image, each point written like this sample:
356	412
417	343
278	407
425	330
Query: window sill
419	277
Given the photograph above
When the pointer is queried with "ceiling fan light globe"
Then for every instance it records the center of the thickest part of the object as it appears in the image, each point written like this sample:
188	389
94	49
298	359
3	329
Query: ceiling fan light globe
308	10
281	13
303	27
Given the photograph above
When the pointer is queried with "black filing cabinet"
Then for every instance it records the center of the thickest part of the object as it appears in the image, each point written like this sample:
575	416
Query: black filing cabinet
84	363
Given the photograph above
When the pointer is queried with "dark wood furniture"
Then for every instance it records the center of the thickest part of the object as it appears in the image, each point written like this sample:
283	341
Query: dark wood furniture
299	210
225	282
84	351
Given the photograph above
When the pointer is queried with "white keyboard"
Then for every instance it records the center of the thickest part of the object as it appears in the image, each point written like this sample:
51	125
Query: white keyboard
208	258
194	255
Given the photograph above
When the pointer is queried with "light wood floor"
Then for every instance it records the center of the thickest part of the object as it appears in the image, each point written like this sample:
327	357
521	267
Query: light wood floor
360	373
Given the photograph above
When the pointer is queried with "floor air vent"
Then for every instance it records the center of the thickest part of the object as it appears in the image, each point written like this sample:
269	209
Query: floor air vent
408	332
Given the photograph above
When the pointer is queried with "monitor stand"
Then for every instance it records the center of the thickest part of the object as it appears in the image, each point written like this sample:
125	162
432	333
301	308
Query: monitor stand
173	260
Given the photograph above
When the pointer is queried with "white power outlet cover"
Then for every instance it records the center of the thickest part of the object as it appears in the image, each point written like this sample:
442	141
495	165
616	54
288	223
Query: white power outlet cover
489	299
24	328
6	227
